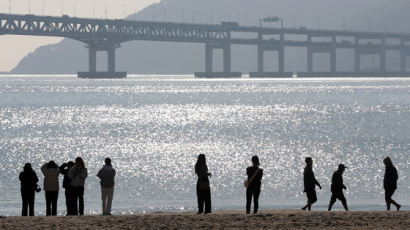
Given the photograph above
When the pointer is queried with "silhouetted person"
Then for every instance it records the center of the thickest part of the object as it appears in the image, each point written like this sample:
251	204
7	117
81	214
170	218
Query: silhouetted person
203	189
310	183
28	181
390	183
107	174
253	185
69	192
337	188
78	174
51	172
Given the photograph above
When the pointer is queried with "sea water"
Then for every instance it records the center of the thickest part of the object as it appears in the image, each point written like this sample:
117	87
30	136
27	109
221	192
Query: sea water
154	127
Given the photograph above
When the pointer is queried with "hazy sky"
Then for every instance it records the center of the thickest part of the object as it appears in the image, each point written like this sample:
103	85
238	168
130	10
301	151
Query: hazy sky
14	48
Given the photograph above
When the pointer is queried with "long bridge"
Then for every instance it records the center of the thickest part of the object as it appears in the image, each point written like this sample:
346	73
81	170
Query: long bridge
107	35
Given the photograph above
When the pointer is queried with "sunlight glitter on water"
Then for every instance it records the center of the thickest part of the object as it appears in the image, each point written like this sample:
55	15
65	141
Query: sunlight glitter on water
153	129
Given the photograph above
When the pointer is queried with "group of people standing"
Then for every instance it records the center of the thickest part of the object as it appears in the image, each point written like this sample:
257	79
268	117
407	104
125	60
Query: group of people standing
255	173
252	184
75	174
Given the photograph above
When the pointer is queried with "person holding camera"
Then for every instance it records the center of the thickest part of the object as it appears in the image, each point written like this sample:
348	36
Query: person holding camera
78	174
64	169
51	172
28	180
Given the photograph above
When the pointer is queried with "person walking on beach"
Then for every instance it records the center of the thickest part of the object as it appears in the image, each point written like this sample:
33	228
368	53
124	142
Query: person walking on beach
390	183
78	174
337	188
28	181
203	190
310	183
107	174
51	172
64	169
253	185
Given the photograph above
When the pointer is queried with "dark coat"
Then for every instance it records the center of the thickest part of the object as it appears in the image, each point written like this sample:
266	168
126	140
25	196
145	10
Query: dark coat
337	182
390	178
28	181
256	182
66	181
203	180
309	179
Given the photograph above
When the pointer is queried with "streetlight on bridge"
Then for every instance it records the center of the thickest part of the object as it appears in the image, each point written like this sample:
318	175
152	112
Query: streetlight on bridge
62	8
29	6
272	19
75	9
10	6
43	4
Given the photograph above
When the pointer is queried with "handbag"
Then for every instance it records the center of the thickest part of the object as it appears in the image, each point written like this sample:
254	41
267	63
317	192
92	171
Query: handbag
246	183
38	189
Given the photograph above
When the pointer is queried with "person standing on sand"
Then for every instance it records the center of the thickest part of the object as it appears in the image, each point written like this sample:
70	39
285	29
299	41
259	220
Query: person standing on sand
253	185
310	183
337	188
64	169
107	174
390	183
51	172
78	174
203	190
28	181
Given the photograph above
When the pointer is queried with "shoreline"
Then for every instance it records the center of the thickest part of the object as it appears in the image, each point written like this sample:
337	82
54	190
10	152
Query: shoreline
266	219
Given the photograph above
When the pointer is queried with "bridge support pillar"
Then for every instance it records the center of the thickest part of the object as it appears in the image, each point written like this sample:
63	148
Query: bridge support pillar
333	55
208	57
309	55
227	57
309	61
281	53
111	59
92	59
320	47
357	56
260	58
226	72
93	48
281	62
403	57
383	56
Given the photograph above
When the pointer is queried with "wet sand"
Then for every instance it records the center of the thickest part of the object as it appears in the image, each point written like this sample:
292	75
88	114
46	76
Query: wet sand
266	219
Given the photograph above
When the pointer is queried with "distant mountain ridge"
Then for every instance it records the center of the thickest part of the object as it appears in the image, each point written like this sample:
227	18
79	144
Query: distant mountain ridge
68	56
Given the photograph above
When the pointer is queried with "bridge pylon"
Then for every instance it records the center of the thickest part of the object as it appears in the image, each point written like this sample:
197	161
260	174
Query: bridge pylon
209	52
93	48
276	46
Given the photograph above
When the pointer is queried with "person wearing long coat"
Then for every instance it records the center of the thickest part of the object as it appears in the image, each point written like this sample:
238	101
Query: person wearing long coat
78	174
390	183
51	186
203	189
28	181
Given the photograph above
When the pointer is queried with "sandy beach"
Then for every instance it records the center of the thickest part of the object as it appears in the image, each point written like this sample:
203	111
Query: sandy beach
267	219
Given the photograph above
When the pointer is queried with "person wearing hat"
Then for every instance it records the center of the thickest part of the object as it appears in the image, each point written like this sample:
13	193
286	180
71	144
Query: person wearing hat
337	188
